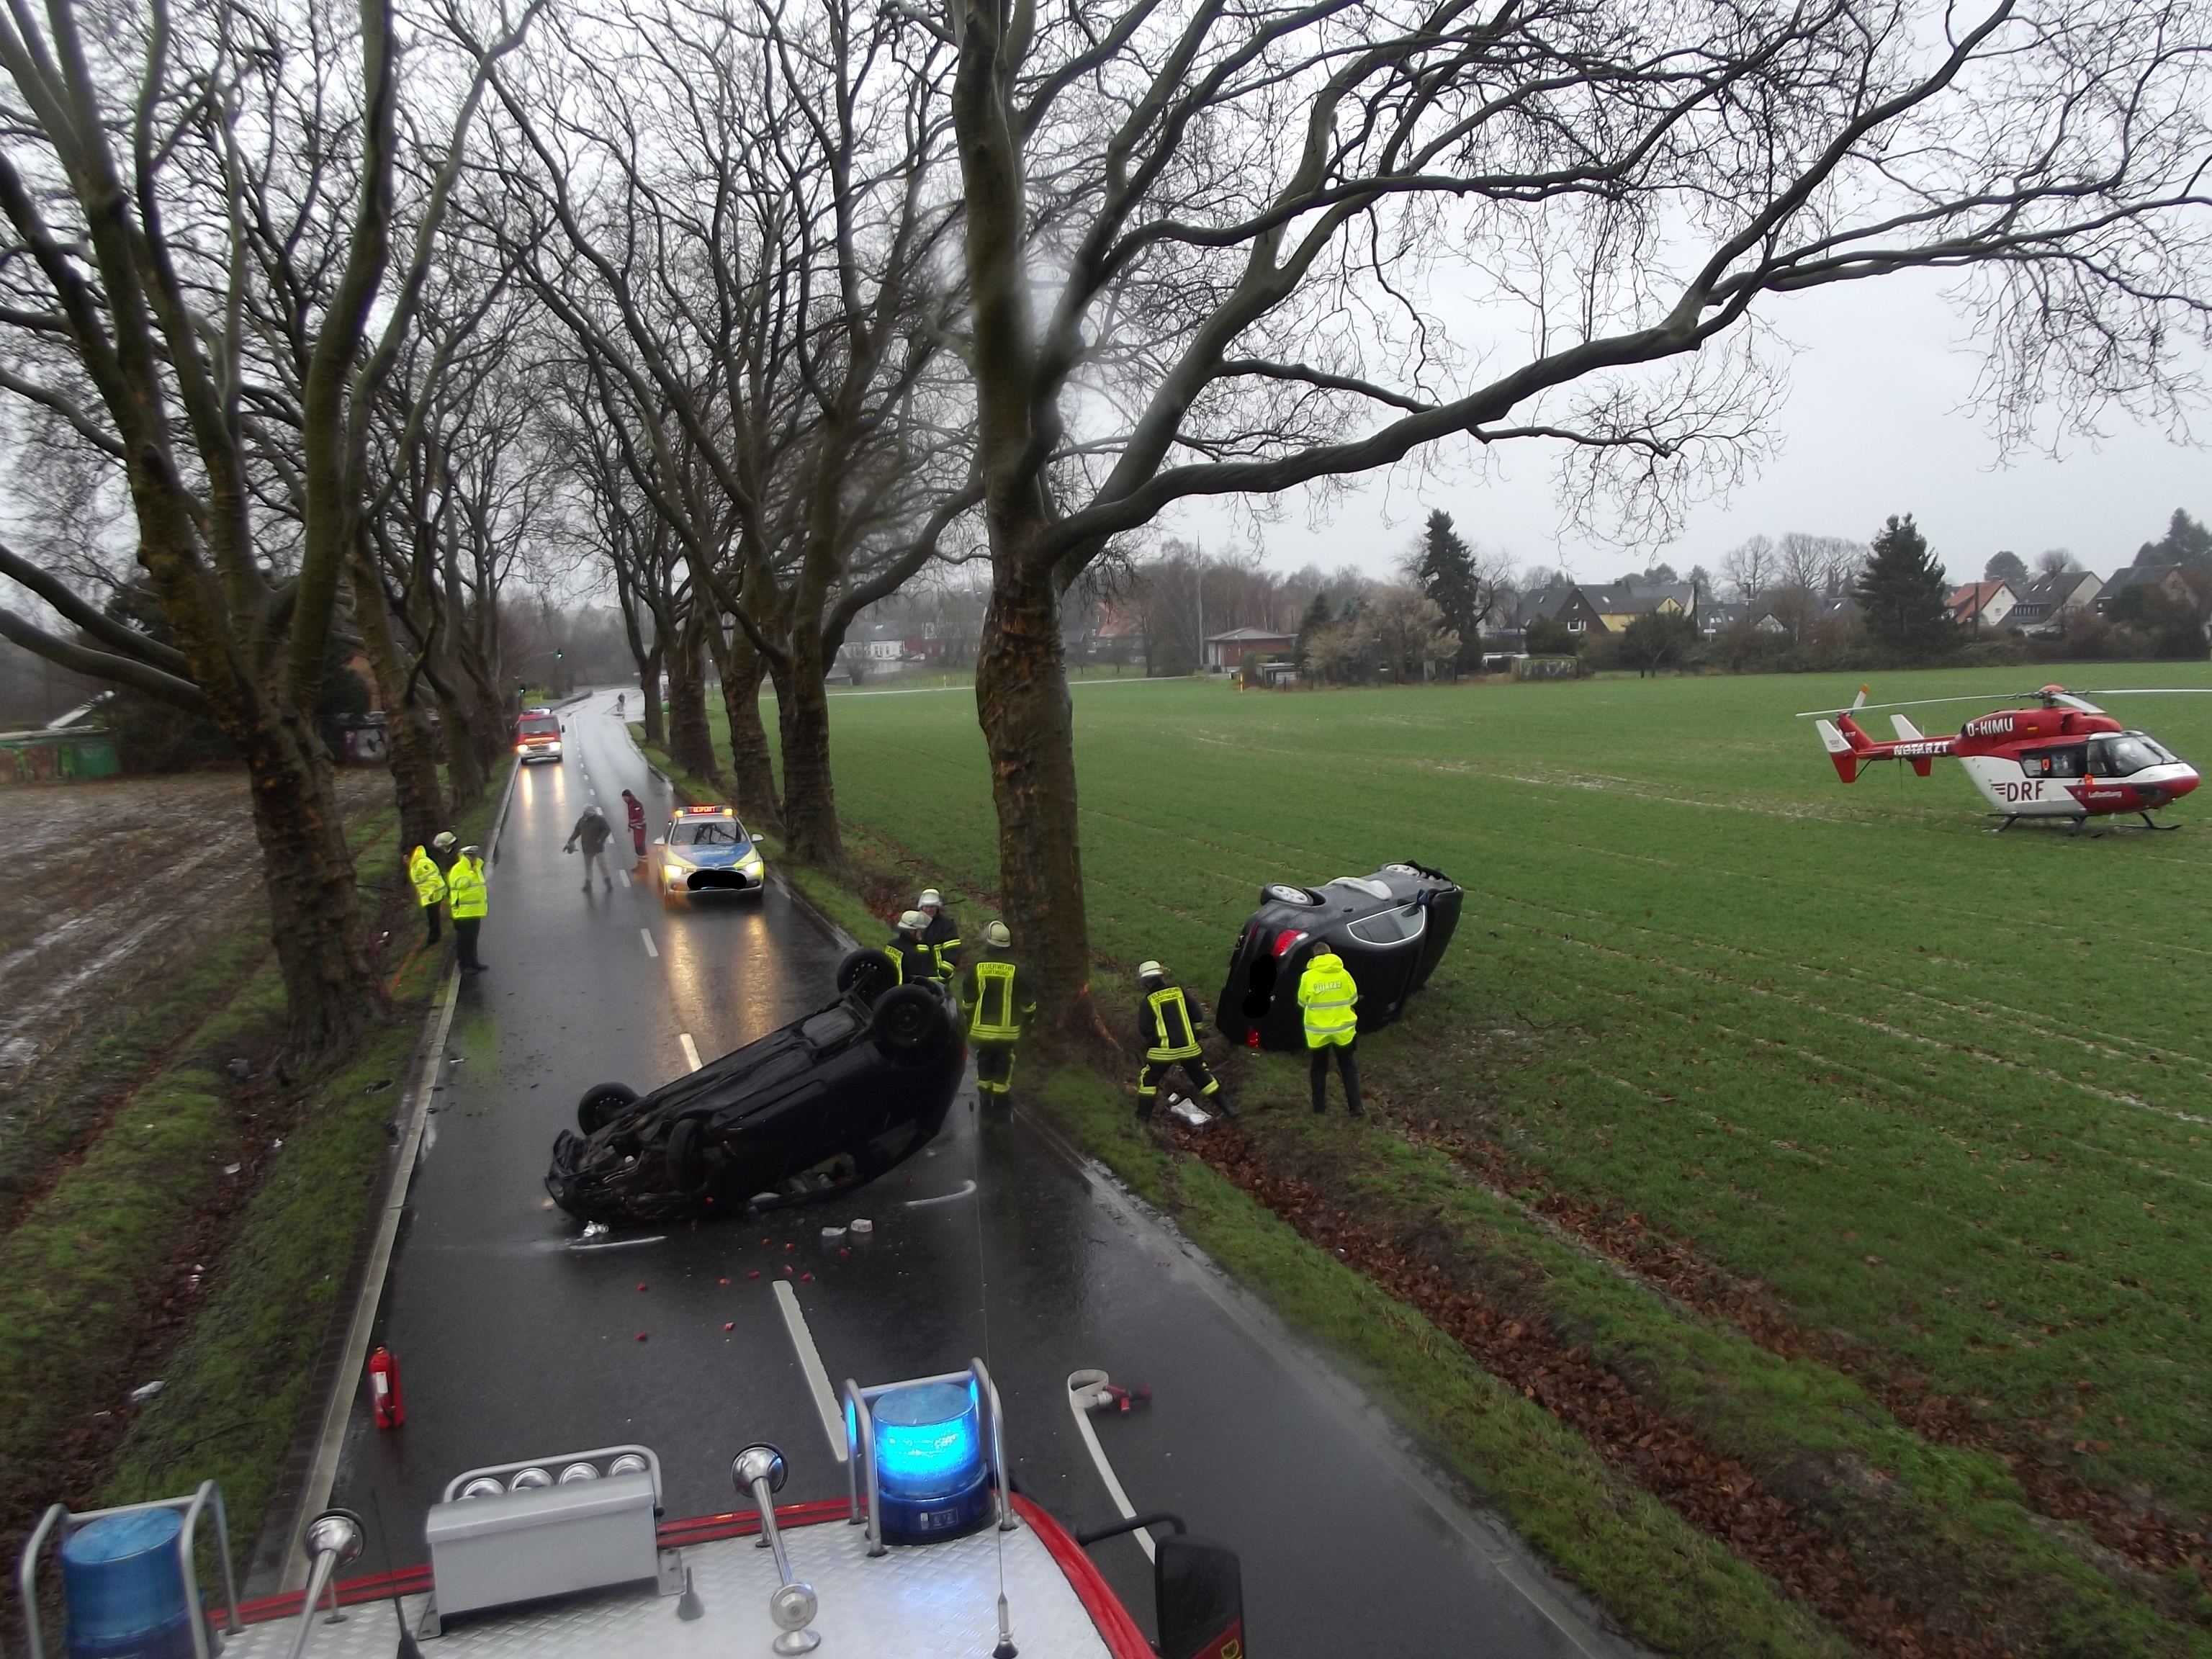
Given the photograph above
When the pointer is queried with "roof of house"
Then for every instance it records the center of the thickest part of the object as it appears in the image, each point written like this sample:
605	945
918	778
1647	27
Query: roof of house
2137	575
2051	592
1638	598
1975	597
1235	635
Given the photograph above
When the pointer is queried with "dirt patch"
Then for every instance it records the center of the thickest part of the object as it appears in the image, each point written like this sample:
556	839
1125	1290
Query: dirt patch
113	885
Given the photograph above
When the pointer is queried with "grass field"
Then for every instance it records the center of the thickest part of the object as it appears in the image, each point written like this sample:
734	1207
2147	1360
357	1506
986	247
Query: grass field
1945	1091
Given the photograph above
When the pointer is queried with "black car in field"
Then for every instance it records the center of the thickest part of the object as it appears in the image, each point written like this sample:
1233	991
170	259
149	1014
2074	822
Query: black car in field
1390	928
823	1105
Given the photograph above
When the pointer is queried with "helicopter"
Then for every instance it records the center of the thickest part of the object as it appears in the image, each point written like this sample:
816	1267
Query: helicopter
2064	759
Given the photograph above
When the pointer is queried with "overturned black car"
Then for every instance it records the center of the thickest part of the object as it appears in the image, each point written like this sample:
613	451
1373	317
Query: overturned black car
825	1104
1390	928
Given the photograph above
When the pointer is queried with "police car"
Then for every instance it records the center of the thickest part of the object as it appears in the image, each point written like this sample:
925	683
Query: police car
707	851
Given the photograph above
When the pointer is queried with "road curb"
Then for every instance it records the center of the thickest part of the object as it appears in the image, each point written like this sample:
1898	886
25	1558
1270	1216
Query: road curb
338	1407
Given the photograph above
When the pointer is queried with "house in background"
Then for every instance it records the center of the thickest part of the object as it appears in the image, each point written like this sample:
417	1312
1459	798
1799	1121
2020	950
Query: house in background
2169	579
1617	605
1224	653
1982	605
2047	602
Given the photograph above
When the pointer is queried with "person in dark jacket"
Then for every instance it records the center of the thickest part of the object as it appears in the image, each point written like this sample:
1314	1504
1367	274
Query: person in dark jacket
635	808
593	832
916	965
1169	1021
940	935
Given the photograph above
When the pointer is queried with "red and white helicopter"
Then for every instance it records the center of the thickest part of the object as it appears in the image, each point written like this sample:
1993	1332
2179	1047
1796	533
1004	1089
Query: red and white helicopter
2066	758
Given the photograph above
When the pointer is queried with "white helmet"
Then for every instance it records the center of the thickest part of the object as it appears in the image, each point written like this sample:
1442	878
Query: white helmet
1150	970
997	936
931	897
913	922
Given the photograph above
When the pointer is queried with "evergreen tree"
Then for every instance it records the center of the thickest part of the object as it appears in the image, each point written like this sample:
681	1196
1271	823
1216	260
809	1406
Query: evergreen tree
2005	567
1445	573
1318	615
2185	541
1903	590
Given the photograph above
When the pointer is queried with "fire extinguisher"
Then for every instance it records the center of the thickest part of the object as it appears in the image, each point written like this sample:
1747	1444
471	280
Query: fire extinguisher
384	1389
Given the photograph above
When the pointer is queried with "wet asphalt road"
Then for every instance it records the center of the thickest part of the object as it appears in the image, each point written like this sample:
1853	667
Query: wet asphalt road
514	1342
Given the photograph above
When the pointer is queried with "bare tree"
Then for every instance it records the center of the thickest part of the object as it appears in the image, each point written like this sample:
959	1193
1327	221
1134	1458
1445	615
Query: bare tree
756	288
1825	565
2055	562
1750	569
148	155
1205	243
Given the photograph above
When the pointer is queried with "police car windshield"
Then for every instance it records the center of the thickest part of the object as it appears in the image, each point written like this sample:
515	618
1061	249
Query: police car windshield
704	832
2130	752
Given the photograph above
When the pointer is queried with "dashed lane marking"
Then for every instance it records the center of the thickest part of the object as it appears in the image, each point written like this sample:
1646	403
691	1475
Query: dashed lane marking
625	876
651	949
690	1049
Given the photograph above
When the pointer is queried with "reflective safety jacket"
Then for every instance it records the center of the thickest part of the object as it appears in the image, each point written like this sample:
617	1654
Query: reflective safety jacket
1170	1028
429	881
466	883
915	964
941	938
994	998
1330	998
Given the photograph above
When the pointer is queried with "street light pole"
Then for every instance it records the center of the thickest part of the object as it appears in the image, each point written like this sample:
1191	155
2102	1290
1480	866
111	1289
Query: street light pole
1199	552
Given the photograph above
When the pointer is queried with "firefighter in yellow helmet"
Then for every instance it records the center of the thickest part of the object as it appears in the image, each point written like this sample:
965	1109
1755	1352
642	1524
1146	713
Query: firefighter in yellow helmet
1330	1001
915	964
430	888
940	936
996	1008
1169	1022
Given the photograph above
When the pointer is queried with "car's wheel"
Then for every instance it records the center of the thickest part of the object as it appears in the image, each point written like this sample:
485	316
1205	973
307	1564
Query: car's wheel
870	973
686	1163
601	1101
909	1025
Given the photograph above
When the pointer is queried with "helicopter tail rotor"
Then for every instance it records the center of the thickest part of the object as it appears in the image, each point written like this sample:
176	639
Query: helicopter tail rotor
1841	750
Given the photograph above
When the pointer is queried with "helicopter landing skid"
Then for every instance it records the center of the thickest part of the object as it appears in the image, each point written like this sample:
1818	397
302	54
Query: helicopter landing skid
2074	825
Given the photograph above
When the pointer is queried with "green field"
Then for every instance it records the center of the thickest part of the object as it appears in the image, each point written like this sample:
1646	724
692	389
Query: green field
1946	1091
1934	1098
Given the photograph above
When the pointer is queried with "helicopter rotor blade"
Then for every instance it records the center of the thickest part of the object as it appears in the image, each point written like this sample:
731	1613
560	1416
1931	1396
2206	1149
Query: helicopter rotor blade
2153	691
1917	703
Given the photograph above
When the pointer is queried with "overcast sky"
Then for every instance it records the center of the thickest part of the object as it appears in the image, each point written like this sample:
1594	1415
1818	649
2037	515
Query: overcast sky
1875	422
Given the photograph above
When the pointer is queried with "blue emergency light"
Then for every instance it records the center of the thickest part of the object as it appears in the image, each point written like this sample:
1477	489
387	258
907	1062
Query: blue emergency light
124	1584
931	1470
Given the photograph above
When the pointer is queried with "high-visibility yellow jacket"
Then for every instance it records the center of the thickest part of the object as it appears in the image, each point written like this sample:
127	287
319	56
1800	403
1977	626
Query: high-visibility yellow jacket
1330	1000
429	881
1170	1032
466	883
993	998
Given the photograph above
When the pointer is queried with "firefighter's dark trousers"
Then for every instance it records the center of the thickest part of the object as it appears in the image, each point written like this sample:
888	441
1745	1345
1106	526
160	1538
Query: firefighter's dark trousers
994	1069
1155	1071
1347	1065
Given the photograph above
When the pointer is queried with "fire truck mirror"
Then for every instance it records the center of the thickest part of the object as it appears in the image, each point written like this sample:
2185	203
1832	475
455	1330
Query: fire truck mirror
1200	1588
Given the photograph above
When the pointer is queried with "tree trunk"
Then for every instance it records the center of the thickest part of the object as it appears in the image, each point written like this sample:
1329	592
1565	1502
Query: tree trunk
751	767
810	800
1028	721
330	987
656	732
690	743
407	734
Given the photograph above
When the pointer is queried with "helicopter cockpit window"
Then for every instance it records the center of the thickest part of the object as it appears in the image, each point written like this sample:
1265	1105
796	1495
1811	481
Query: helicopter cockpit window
2055	762
2128	753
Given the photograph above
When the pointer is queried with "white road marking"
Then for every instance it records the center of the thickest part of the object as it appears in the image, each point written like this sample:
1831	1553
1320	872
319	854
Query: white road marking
810	1362
966	1188
651	949
690	1049
625	876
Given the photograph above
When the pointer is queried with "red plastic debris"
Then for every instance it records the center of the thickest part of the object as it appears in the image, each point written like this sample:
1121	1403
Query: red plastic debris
640	1286
843	1254
730	1325
755	1274
787	1266
809	1278
790	1247
721	1282
641	1336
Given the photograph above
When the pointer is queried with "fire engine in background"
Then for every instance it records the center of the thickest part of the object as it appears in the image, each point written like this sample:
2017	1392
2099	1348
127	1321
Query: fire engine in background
537	736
